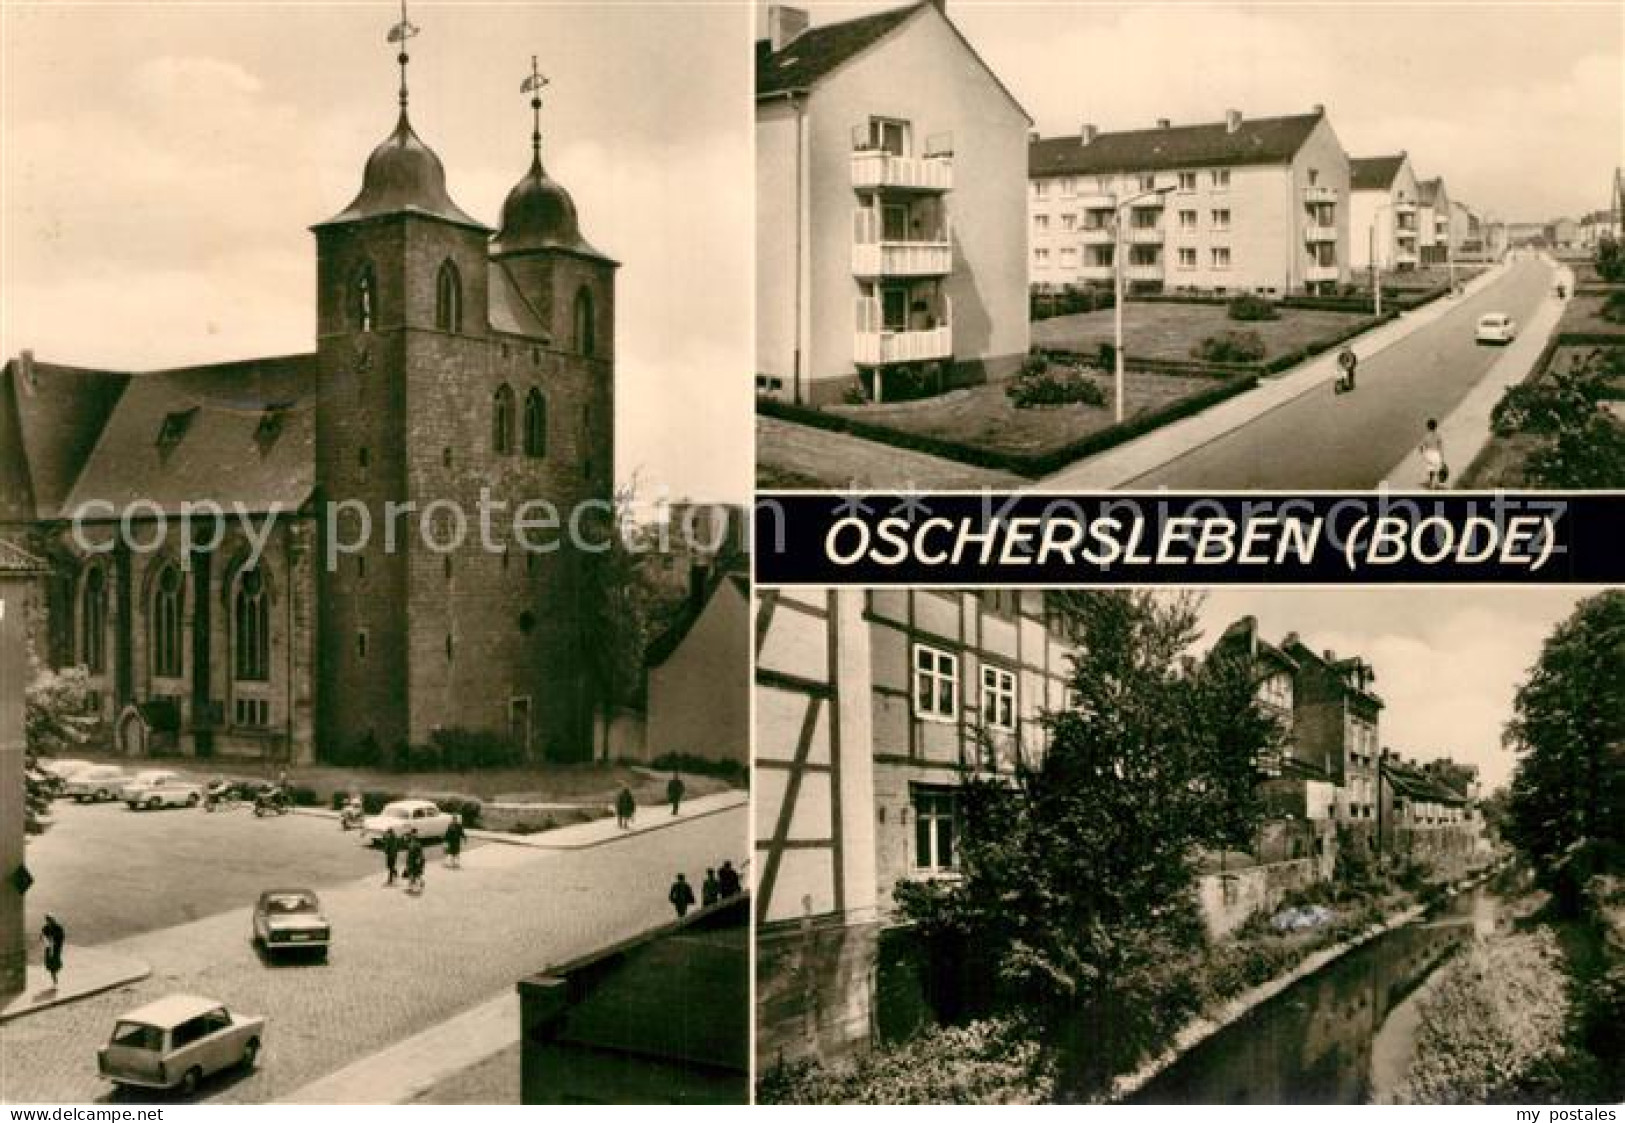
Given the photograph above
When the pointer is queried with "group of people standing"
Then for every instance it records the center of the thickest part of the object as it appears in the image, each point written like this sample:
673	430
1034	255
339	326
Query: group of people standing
626	806
719	885
412	846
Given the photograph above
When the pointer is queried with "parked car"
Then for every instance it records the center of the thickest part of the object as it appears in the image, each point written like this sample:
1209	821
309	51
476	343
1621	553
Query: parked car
177	1041
96	783
1496	327
291	920
58	772
397	818
152	790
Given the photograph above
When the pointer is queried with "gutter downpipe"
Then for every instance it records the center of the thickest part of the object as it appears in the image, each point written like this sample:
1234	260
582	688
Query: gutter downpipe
798	102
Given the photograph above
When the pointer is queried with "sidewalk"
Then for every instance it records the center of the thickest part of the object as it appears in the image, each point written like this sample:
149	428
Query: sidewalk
86	971
1120	466
1466	430
407	1069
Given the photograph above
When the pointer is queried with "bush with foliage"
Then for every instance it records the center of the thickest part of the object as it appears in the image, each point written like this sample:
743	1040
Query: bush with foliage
61	712
733	771
465	808
1610	261
1043	383
1231	347
1613	308
1250	307
373	801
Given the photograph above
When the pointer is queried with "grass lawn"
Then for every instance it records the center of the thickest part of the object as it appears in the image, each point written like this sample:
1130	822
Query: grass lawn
983	416
1584	314
1169	331
1417	280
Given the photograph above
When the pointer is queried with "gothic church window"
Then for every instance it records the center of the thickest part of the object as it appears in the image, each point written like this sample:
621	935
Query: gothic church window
535	423
93	622
502	420
167	628
366	299
584	322
448	301
251	628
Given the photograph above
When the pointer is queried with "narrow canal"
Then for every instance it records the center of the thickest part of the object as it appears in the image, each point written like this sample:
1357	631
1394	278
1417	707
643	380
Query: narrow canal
1320	1040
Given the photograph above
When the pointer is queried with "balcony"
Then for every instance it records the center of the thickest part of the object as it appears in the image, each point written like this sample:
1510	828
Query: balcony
878	348
1315	232
1316	274
1143	271
875	170
1092	271
903	259
1095	235
1095	201
1143	235
1403	256
1313	195
1404	208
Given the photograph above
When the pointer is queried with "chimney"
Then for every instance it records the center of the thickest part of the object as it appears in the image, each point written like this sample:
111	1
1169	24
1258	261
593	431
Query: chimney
784	25
1232	120
1319	109
1290	639
941	6
1163	123
1087	134
1032	136
25	368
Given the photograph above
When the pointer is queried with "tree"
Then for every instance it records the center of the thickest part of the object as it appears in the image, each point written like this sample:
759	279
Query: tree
1078	871
59	712
1568	727
1610	260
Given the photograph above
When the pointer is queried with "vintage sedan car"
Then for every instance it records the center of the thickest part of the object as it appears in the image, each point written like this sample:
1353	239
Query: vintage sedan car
177	1041
152	790
291	920
96	783
58	772
1495	327
406	814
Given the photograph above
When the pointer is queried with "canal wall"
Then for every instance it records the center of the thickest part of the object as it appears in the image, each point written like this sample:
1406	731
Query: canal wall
1229	899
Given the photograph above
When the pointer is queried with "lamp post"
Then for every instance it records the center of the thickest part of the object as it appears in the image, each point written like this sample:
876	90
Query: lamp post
1376	270
1117	303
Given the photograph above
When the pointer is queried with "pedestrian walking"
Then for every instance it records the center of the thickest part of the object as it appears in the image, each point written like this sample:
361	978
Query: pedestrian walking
1347	362
674	791
710	889
392	853
1432	449
625	808
728	880
454	843
52	935
681	896
414	862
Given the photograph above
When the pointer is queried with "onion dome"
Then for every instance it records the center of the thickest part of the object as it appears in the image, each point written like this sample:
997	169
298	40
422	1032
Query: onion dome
403	175
540	215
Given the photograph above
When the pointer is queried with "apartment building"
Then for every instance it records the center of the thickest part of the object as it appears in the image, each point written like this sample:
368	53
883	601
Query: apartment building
870	708
1384	208
1433	220
1235	205
890	243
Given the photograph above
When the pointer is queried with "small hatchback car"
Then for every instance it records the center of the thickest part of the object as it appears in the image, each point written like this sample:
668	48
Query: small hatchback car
291	920
1496	327
177	1041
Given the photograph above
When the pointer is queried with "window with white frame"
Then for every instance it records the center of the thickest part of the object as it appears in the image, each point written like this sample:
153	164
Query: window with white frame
1040	188
1187	257
936	683
1221	219
933	828
1148	182
1219	179
998	698
1041	258
1220	257
1040	223
1187	182
1069	258
1187	220
1069	222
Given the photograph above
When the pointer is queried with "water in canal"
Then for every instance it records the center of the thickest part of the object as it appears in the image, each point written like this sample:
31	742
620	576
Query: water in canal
1315	1042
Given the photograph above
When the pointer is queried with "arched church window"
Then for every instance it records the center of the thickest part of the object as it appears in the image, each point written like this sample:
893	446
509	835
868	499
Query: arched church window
251	628
535	423
167	626
366	299
93	622
448	299
502	420
584	322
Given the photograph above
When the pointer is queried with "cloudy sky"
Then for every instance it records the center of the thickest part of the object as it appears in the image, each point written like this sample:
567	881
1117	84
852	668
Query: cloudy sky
1521	107
162	164
1448	660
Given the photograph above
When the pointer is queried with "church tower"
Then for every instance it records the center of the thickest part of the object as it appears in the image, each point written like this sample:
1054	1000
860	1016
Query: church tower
443	386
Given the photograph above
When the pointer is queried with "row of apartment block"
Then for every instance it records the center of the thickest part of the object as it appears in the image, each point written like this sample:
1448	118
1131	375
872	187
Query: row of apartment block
1271	206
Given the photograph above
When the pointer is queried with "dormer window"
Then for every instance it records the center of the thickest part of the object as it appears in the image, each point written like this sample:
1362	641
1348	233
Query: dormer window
174	427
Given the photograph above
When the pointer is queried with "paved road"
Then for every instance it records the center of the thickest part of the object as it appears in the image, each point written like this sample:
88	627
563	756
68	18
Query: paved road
1351	441
399	964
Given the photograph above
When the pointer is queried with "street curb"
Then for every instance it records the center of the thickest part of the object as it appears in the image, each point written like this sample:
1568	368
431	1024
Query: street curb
537	841
133	975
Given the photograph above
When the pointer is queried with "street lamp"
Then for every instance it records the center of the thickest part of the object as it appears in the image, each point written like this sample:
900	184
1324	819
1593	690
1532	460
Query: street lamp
1371	248
1117	276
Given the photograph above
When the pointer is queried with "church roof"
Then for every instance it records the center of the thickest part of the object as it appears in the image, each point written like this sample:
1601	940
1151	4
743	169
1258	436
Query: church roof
404	176
539	214
507	309
240	432
50	416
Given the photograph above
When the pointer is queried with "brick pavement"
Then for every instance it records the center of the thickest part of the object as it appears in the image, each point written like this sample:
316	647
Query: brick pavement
399	963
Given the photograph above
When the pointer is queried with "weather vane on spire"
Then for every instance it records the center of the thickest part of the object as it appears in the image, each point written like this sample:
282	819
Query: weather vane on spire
533	86
400	33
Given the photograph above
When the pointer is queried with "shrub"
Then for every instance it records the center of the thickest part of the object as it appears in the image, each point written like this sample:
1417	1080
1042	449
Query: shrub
1613	309
1053	384
373	802
1249	307
1106	356
730	770
455	749
301	796
465	808
1230	347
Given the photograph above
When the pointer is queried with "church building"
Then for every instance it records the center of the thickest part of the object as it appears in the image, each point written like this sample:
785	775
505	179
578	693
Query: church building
451	362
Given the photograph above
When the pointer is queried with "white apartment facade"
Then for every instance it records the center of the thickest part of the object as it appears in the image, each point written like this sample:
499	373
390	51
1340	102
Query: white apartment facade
1233	206
1384	214
889	187
1433	221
